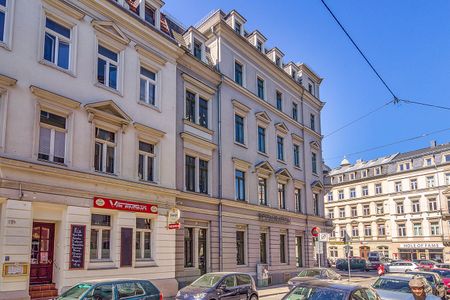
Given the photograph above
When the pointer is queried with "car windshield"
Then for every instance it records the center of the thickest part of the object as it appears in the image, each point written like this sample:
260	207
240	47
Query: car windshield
309	273
75	292
207	280
443	273
314	293
391	284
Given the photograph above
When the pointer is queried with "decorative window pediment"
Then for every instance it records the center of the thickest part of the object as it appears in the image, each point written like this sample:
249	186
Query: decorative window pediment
297	138
109	30
299	183
107	111
54	98
240	107
196	140
315	145
241	164
67	9
283	175
263	117
317	185
148	133
7	81
264	168
281	127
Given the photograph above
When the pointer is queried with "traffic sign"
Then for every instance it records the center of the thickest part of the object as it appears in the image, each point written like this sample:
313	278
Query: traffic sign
315	231
324	237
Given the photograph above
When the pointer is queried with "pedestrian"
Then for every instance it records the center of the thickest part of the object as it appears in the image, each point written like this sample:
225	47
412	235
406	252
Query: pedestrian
418	290
381	269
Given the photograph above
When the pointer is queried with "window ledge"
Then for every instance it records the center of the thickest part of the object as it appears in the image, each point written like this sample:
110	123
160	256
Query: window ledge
240	145
147	182
197	126
154	107
5	46
56	67
101	265
145	263
297	168
263	154
281	161
113	175
109	89
52	163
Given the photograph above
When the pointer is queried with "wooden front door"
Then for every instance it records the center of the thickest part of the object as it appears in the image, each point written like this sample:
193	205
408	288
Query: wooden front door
42	241
364	251
126	247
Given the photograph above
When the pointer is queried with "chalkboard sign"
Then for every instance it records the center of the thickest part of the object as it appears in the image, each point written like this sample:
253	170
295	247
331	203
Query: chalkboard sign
77	244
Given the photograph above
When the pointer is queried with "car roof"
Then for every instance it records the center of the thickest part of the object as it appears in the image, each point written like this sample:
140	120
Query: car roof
422	272
344	286
440	269
112	280
399	276
227	273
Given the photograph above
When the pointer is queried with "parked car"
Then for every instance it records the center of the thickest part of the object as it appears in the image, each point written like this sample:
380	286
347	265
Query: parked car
375	256
313	273
442	265
224	285
445	277
401	266
330	290
110	289
396	287
435	281
356	263
427	264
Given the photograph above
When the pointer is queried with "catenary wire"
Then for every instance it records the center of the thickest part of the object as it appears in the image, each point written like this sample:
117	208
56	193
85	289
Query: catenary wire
424	104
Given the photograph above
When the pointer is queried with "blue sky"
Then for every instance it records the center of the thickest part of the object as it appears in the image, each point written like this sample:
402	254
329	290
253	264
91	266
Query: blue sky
407	41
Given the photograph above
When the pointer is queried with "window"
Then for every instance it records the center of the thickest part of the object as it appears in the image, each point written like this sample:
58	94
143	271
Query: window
298	251
381	230
432	205
333	233
434	228
401	230
281	195
340	178
430	181
413	184
4	15
143	238
239	129
107	67
310	88
446	158
447	178
52	137
366	210
240	185
203	112
330	196
57	43
367	230
378	171
331	215
415	206
297	156
341	212
428	161
147	88
261	139
399	207
298	200
333	252
352	176
278	61
380	209
364	173
280	148
237	27
146	161
240	247
312	120
378	189
190	173
190	106
203	176
282	248
294	111
398	186
417	229
197	48
354	211
355	231
259	45
100	237
188	247
316	204
263	248
262	191
365	190
238	72
404	166
279	101
260	87
314	162
105	150
294	74
128	289
150	14
352	193
341	195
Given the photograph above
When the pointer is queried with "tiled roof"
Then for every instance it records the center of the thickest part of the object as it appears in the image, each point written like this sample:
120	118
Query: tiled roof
423	151
363	164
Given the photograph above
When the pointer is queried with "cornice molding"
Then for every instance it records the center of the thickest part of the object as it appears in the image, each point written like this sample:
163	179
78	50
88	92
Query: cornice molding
240	163
200	85
118	35
150	54
53	97
66	8
188	137
240	106
149	130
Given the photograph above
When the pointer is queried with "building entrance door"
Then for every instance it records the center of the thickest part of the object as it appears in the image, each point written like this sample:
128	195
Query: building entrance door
42	241
202	261
364	251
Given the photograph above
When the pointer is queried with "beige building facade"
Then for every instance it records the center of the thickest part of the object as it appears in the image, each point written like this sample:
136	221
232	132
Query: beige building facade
397	205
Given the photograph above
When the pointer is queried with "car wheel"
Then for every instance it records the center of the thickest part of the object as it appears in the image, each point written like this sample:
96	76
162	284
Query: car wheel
406	271
253	297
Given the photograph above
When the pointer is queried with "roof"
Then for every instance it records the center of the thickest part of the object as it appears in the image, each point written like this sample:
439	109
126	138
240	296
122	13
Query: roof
423	151
339	285
103	280
359	165
399	276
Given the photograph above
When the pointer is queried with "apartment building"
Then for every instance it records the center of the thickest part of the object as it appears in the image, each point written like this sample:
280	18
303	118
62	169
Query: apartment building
396	204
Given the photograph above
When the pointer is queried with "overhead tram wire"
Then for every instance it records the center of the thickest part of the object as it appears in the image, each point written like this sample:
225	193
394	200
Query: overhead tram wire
391	144
424	104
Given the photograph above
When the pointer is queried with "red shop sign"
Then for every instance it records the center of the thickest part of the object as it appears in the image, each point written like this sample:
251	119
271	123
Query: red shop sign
174	226
125	205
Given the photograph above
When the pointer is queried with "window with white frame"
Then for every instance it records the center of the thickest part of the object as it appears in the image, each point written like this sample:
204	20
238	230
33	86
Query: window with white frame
342	212
237	27
341	194
367	230
57	43
365	190
354	211
413	184
364	173
331	214
196	109
333	234
432	204
430	181
355	231
298	200
143	239
146	161
415	206
381	230
340	178
417	229
398	186
150	14
435	228
378	189
428	161
377	170
401	229
342	232
404	166
446	158
330	196
147	86
108	67
282	195
380	209
197	49
192	164
52	137
352	176
6	7
259	45
105	151
334	252
366	210
447	178
100	247
352	193
400	208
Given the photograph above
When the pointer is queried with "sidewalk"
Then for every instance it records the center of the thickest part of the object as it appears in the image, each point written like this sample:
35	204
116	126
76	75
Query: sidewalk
272	290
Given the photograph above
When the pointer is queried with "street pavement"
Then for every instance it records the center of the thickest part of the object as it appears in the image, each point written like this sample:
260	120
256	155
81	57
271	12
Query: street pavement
278	291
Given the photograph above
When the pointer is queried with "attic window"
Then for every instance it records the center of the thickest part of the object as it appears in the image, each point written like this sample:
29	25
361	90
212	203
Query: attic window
294	74
237	27
310	88
259	45
277	60
149	14
197	49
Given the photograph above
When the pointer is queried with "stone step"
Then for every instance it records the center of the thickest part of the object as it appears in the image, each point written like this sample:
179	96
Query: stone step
46	294
42	287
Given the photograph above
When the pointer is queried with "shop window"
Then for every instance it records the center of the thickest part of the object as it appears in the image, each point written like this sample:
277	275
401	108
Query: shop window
240	247
146	161
147	86
57	44
283	248
52	137
143	239
188	247
263	248
105	151
100	247
108	67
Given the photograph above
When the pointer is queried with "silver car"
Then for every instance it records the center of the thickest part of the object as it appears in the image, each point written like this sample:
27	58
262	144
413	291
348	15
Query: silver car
396	287
401	266
313	273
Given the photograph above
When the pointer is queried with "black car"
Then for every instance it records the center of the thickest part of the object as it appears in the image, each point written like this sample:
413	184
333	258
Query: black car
313	273
330	290
435	282
220	285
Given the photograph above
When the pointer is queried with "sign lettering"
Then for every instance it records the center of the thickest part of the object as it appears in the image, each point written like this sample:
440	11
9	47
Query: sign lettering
77	245
125	205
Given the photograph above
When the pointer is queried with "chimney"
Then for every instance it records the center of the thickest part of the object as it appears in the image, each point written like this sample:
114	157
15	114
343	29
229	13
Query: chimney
433	144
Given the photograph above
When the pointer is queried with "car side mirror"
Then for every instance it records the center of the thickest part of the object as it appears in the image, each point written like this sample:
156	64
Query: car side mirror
222	287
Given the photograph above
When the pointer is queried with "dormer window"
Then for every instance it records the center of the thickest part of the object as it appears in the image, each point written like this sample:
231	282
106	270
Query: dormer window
310	88
150	14
237	27
259	46
277	60
294	74
197	48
